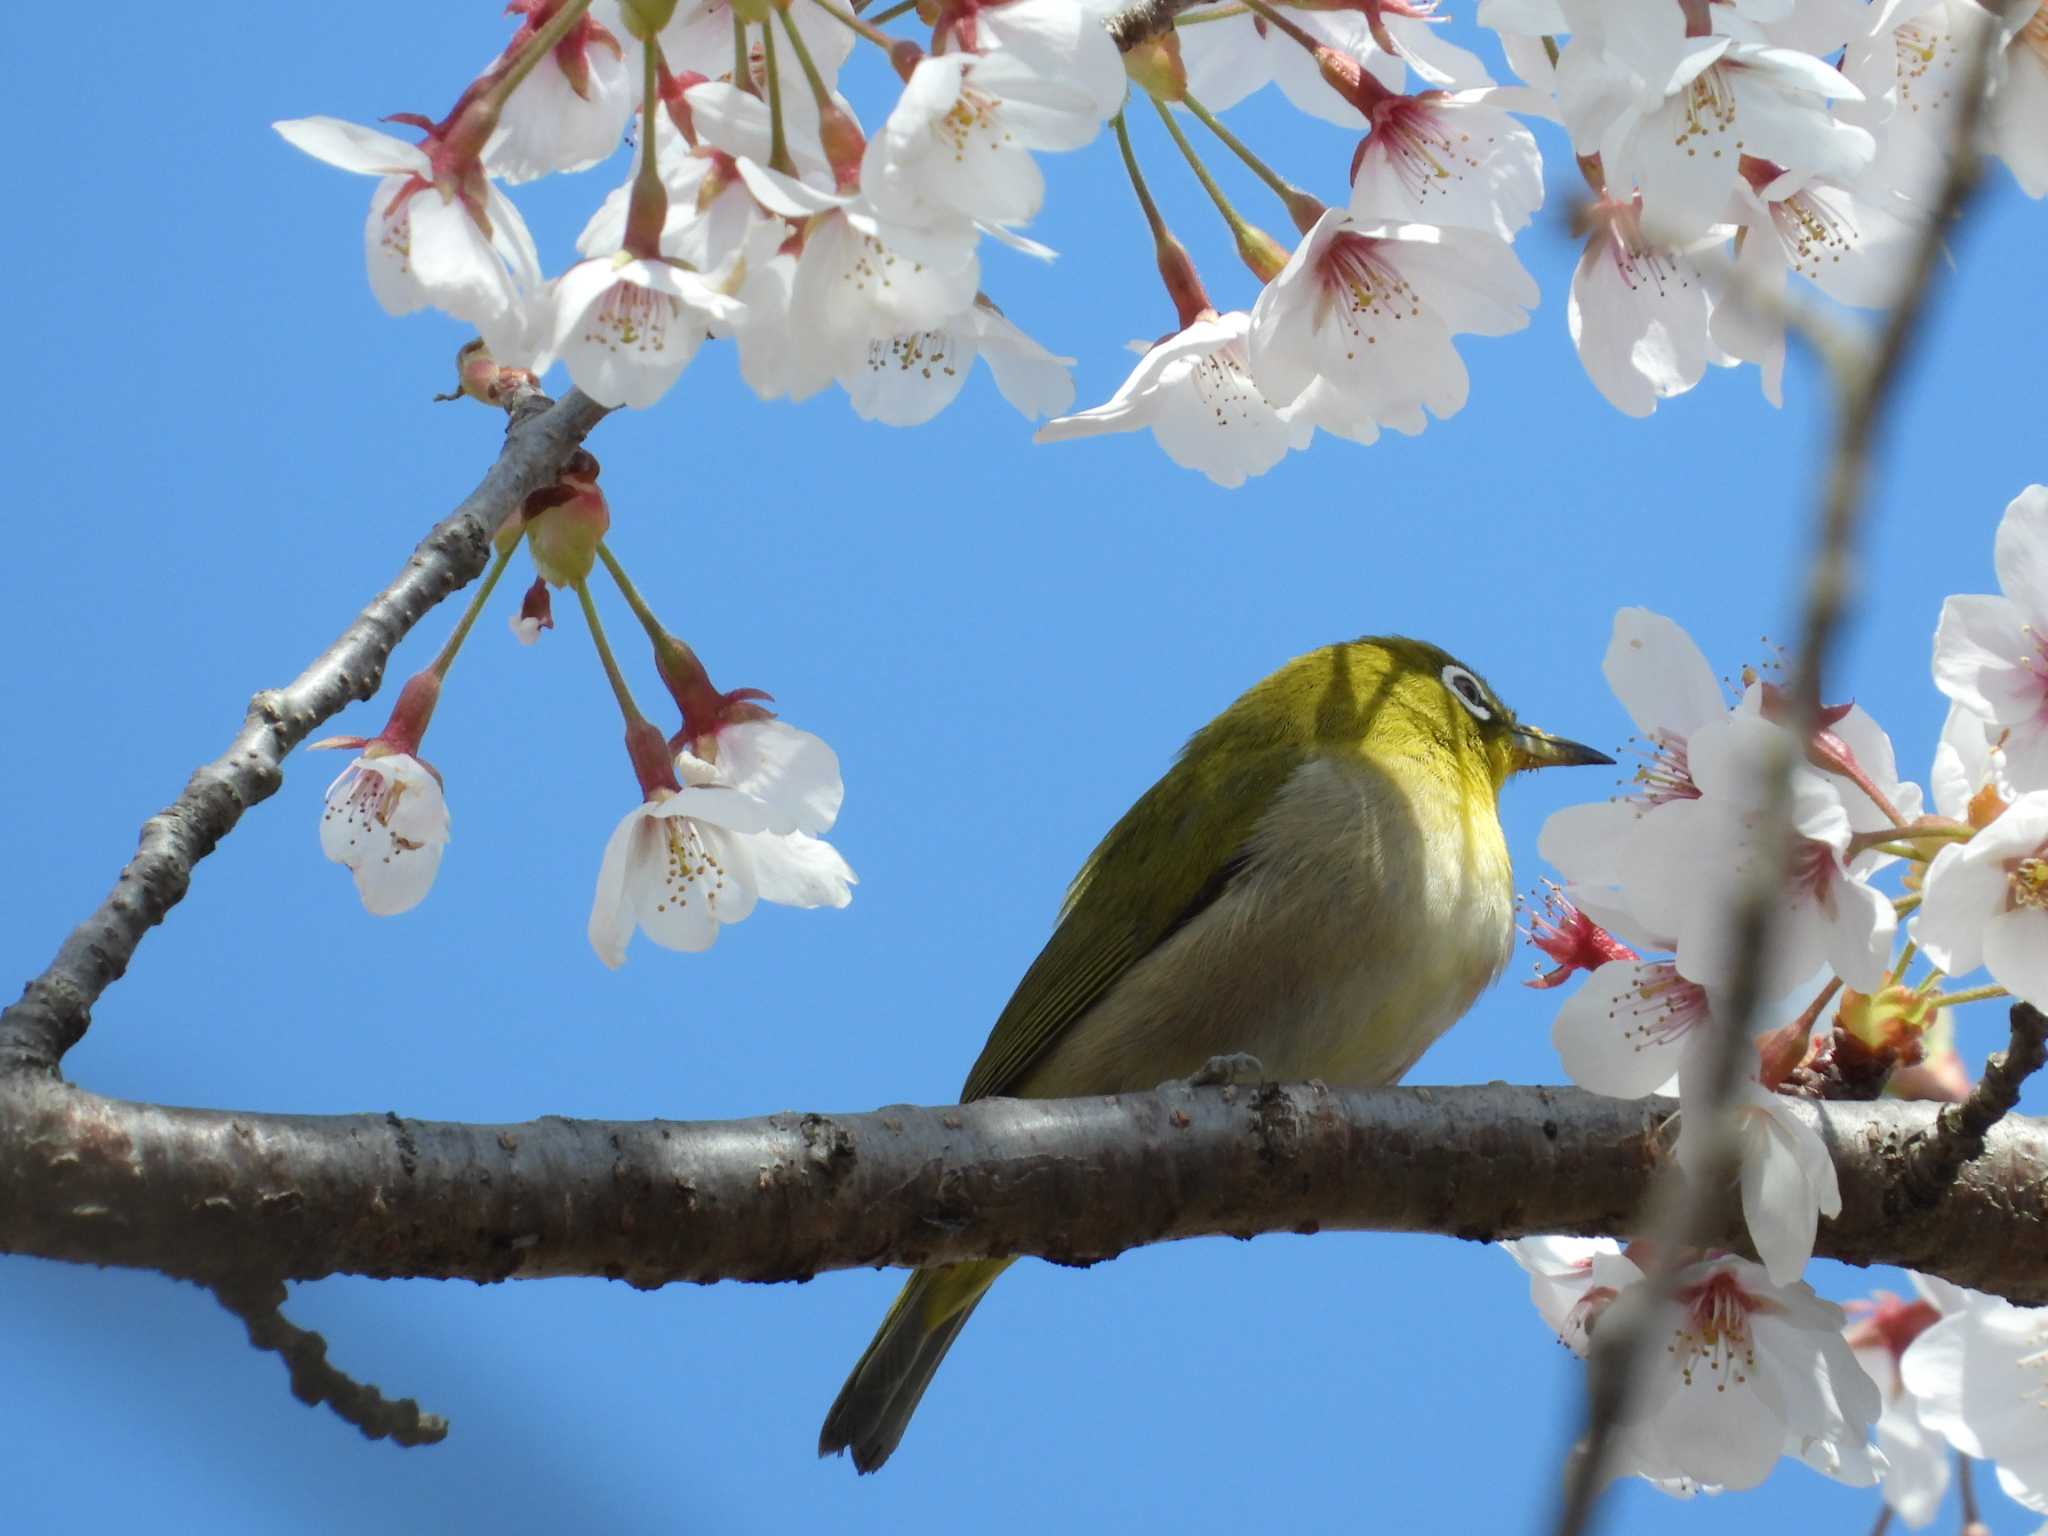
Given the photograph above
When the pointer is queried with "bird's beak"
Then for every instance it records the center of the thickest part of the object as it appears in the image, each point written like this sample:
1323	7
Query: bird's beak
1532	748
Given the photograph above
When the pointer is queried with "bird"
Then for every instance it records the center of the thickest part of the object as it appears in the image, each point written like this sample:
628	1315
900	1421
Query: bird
1316	889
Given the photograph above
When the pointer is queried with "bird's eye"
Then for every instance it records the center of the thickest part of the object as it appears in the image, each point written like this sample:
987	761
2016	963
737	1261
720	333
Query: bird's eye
1466	689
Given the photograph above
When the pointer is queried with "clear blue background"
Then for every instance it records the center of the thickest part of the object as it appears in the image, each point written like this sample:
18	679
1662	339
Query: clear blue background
220	448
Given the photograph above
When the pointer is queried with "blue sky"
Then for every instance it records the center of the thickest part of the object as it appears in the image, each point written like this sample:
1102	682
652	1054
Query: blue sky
223	447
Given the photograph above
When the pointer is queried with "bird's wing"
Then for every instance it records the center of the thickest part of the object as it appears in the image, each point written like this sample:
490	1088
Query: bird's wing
1137	889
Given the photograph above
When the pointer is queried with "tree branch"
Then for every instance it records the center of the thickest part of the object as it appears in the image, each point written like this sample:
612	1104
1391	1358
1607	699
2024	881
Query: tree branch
56	1007
1957	1135
231	1199
314	1381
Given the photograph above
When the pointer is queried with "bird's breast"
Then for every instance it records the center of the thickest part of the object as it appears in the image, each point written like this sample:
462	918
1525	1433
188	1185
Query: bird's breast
1370	911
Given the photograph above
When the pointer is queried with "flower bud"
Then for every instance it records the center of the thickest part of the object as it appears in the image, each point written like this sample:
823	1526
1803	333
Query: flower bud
1259	251
644	18
566	521
536	613
1155	66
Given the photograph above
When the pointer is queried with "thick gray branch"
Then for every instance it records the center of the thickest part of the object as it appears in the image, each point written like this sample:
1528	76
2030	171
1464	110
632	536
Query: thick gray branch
56	1007
228	1199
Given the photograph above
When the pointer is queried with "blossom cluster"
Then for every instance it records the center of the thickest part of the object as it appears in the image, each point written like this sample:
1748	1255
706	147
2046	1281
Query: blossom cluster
1646	912
1728	146
734	805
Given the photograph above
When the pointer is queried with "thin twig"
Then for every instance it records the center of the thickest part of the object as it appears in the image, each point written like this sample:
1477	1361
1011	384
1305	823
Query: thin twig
314	1381
1682	1212
56	1007
1957	1136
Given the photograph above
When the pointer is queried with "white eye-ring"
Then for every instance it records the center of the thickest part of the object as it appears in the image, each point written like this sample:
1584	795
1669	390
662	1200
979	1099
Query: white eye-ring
1465	688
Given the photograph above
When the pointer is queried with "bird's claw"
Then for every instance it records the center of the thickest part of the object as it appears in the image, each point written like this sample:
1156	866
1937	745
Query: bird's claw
1234	1069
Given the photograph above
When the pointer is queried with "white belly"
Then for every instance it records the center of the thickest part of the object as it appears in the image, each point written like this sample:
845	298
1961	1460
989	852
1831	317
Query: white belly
1365	923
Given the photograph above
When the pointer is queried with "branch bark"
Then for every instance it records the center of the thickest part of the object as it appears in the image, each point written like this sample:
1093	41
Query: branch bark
231	1199
55	1008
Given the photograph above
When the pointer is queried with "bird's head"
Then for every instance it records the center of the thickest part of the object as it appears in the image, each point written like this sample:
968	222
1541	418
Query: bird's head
1399	700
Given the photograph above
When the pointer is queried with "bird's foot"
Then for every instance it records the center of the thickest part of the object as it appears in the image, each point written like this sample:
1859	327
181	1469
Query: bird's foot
1233	1070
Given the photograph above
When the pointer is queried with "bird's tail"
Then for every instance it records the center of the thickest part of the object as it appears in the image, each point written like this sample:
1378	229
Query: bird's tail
875	1405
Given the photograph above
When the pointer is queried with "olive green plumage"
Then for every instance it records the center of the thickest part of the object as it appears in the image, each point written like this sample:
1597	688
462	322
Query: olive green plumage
1319	881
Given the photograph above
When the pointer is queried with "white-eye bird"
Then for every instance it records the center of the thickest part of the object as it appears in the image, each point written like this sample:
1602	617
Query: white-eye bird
1320	882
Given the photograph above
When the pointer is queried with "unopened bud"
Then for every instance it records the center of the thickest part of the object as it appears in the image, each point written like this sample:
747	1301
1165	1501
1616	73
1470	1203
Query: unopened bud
1259	251
1155	66
566	521
536	613
481	376
1890	1022
644	18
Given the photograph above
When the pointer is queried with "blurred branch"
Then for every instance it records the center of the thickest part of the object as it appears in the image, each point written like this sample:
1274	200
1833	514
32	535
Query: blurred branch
56	1007
1685	1213
314	1381
235	1200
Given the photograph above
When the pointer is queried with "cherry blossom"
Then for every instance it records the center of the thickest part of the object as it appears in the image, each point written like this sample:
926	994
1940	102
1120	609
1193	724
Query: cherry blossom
1369	311
1747	1370
1681	871
1980	1374
742	826
1451	158
1194	390
1671	115
907	380
1968	778
1638	313
1991	653
1670	692
1571	1281
387	821
1059	40
959	139
1916	1457
698	40
569	112
861	276
1847	245
453	242
627	327
2018	128
1626	1031
1985	902
1910	59
1787	1178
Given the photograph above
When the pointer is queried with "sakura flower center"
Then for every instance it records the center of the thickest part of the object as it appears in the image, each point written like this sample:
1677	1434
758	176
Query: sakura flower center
1666	1007
1419	147
1714	1330
688	862
1362	290
2026	884
373	800
630	318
